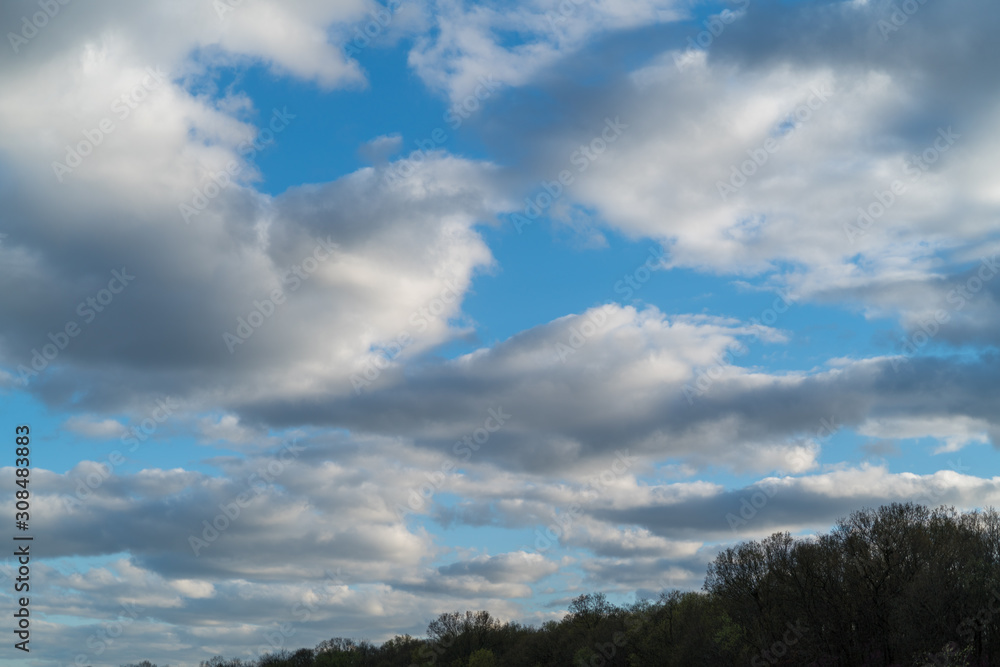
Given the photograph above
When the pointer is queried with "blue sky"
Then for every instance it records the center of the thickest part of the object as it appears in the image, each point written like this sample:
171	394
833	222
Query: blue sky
766	274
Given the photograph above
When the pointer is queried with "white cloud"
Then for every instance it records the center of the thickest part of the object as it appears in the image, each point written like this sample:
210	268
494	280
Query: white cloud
600	395
469	42
955	432
95	428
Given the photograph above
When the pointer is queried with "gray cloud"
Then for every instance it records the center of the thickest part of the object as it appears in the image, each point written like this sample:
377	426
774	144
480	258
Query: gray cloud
578	391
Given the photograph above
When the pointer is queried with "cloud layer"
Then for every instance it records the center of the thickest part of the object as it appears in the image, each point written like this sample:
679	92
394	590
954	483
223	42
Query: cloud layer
837	154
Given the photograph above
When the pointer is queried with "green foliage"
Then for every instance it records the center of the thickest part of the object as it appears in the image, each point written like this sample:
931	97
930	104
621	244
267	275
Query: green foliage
482	658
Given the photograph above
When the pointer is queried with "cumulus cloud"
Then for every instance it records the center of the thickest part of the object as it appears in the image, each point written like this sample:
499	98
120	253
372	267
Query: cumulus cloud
136	233
802	148
581	388
355	260
289	37
144	263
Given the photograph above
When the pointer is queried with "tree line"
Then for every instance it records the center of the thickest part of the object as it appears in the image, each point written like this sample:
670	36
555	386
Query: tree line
902	585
